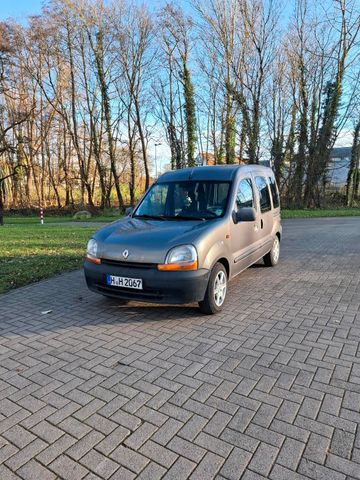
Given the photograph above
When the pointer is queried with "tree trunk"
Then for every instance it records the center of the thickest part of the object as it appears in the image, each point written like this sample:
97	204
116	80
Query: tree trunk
98	52
142	141
229	131
352	184
301	157
1	205
190	116
84	180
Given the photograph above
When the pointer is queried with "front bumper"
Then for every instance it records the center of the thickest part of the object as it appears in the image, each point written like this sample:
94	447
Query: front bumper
158	286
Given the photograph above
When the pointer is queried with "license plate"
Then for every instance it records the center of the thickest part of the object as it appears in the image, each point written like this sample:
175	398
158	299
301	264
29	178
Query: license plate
124	282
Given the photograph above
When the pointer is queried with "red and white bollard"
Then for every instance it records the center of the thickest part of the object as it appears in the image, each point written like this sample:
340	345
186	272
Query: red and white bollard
41	216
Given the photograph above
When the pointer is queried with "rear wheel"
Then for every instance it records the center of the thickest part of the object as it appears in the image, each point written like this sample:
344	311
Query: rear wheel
216	291
272	258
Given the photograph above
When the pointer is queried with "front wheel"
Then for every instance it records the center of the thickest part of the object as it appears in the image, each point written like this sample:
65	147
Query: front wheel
216	291
272	258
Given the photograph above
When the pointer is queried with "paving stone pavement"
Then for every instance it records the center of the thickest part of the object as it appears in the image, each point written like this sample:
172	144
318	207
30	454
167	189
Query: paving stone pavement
269	388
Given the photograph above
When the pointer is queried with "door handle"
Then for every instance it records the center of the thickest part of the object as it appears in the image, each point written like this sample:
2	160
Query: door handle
262	223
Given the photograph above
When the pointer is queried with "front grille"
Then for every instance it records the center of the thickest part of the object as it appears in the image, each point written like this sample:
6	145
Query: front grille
146	294
119	263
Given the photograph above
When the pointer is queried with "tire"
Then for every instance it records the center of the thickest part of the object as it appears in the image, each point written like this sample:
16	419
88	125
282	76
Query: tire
214	300
272	258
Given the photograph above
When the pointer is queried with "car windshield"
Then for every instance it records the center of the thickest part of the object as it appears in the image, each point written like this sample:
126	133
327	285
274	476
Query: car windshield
187	200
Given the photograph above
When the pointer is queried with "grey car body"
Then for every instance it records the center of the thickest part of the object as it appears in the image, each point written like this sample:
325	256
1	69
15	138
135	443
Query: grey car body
243	234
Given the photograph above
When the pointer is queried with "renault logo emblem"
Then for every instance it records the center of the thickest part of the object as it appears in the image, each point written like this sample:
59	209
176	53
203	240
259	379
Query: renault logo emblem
125	253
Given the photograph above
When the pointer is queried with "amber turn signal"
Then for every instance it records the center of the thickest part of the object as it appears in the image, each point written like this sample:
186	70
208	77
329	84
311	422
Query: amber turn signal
95	260
178	266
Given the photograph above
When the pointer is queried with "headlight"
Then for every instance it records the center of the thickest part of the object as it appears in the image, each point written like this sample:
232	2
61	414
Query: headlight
183	257
182	254
92	248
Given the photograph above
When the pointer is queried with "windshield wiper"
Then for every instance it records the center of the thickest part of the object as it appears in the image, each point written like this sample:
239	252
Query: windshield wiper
171	217
150	217
184	217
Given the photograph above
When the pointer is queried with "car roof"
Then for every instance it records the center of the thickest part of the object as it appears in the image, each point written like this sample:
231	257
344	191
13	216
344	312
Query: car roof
213	172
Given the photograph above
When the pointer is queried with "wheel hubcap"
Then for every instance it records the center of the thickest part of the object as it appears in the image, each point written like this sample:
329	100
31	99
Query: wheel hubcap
220	288
276	249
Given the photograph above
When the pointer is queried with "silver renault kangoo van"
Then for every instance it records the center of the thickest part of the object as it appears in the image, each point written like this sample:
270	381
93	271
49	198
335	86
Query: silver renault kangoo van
192	232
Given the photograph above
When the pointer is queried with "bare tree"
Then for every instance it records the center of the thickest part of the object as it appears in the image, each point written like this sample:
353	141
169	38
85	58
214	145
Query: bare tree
134	30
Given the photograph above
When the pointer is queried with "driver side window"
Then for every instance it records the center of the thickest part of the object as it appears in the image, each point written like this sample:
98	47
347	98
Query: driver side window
245	194
155	202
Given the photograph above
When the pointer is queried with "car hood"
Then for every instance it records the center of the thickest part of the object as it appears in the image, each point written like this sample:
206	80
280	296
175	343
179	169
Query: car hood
146	241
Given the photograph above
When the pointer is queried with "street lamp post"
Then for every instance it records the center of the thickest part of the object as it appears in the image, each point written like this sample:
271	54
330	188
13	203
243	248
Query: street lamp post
156	169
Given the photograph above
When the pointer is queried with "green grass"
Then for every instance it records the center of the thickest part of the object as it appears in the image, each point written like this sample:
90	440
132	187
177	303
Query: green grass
22	220
316	213
29	252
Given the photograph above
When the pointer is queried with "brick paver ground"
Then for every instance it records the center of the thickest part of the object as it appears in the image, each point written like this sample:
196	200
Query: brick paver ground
269	388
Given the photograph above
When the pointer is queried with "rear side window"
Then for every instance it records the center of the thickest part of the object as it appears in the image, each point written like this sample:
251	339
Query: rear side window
245	194
265	204
274	192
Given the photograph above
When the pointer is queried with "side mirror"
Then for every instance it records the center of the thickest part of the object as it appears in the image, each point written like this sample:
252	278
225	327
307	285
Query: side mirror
245	214
128	211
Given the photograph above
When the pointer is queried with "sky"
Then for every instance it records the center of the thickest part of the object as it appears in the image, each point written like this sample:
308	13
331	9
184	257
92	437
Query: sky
19	9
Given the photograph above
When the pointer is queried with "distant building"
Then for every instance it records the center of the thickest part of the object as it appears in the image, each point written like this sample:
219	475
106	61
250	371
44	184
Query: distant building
338	167
208	158
204	159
